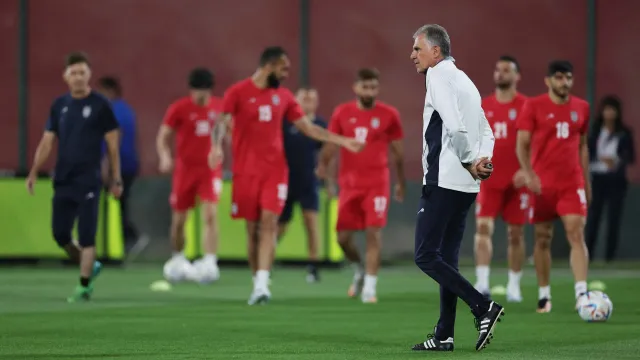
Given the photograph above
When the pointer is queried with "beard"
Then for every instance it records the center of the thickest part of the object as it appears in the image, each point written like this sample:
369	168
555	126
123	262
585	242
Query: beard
562	93
367	102
273	81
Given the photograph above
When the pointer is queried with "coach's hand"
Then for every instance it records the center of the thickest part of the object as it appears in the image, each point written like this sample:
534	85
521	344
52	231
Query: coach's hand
31	182
215	158
484	168
533	182
116	188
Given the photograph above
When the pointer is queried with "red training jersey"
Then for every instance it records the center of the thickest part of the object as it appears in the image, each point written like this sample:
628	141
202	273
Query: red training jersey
556	130
376	127
502	118
257	143
192	124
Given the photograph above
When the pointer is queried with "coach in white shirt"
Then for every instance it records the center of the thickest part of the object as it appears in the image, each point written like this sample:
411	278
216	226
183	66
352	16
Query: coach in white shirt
456	149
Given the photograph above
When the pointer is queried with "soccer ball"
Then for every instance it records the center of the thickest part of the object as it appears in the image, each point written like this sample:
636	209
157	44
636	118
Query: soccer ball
176	271
206	271
594	306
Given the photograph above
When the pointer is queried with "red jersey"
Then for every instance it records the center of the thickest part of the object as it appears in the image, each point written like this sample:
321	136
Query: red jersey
502	118
257	143
555	139
376	127
192	124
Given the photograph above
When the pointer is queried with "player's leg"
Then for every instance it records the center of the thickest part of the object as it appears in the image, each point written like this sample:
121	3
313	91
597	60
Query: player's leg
488	206
350	219
246	205
310	202
542	234
572	208
375	206
515	214
209	192
272	197
87	227
283	221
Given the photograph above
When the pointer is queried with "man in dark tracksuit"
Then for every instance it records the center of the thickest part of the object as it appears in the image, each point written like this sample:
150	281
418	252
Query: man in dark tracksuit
302	158
456	148
79	121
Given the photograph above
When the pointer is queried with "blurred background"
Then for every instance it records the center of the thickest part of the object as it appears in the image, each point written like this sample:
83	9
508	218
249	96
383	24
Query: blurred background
150	45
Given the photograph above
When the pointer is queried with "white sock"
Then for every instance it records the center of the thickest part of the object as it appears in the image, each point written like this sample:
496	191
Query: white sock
370	282
514	279
211	258
482	277
544	292
262	279
581	288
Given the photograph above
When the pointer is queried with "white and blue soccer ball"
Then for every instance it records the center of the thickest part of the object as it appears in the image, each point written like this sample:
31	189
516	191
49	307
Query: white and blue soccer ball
594	306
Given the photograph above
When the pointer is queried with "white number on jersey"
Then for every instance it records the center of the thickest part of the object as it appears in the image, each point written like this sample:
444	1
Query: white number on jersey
203	128
500	130
217	186
265	114
379	204
583	196
562	130
282	192
524	201
361	133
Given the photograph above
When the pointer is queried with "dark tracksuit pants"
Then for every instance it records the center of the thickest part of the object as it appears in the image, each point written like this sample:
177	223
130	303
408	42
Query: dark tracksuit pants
439	231
609	190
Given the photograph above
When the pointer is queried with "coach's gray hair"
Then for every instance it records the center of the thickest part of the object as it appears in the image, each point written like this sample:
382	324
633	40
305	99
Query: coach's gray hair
436	35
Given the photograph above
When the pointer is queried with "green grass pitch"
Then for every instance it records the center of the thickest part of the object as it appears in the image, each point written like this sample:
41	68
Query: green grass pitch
126	320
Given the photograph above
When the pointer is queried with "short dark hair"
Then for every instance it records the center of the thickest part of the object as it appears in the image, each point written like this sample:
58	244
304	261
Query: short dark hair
271	54
201	79
111	83
77	57
365	74
561	66
511	59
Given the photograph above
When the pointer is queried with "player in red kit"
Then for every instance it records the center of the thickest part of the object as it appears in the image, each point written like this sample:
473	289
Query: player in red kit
258	105
364	177
504	192
191	119
552	150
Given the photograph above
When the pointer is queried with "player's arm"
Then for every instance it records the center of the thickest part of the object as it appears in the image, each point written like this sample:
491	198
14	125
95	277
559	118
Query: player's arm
523	150
444	96
526	125
319	133
163	147
112	138
397	151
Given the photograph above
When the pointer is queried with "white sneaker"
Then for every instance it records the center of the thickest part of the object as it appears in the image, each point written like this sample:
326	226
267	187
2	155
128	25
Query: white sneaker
514	295
207	271
259	297
178	269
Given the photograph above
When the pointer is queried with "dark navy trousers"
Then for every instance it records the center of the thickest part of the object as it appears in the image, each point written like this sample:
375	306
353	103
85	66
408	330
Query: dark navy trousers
69	205
440	227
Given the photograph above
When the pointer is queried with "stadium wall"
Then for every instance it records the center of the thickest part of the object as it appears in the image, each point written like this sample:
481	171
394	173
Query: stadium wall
151	45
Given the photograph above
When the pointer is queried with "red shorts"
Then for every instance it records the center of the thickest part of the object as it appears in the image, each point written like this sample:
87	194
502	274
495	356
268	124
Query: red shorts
254	193
361	208
510	203
191	182
570	200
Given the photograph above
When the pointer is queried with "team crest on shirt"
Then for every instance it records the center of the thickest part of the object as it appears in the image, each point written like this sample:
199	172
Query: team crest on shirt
513	114
352	120
574	116
489	114
64	109
212	115
275	99
375	123
86	111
